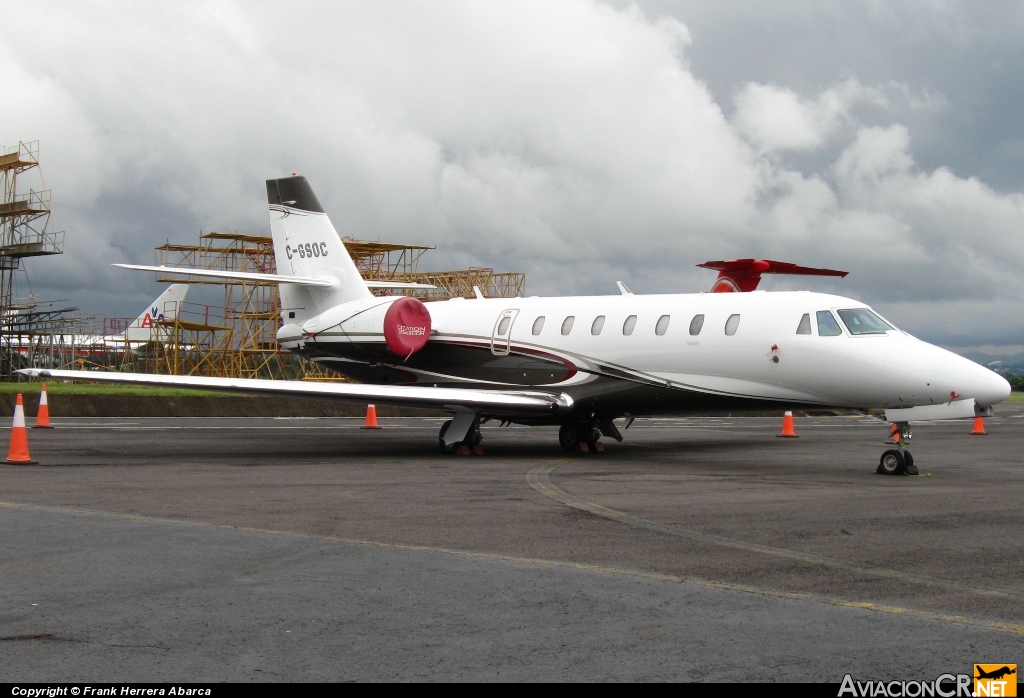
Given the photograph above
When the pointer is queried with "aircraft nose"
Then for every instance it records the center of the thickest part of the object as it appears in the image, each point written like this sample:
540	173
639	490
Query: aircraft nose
985	386
993	388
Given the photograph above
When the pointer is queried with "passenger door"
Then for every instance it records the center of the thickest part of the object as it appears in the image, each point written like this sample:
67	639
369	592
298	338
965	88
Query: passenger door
502	332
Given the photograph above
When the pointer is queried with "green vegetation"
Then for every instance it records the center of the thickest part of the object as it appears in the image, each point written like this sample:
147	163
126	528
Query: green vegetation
57	388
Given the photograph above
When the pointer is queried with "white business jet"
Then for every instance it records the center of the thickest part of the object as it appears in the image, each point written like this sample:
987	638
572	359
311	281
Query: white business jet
582	362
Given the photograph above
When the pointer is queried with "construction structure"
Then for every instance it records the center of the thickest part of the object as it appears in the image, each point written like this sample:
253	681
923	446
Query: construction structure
26	230
239	338
388	261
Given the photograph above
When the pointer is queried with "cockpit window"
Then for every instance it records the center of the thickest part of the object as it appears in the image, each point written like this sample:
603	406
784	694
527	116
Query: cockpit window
805	324
827	325
863	321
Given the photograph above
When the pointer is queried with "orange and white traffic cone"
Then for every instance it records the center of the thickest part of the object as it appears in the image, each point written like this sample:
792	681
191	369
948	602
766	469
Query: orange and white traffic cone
894	435
787	426
371	418
43	415
18	452
979	427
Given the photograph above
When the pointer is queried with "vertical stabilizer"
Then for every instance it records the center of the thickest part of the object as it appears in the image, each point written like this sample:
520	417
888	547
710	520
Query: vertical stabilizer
306	244
164	308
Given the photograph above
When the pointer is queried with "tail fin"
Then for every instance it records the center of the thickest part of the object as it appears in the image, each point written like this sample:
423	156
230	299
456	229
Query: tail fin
165	307
306	244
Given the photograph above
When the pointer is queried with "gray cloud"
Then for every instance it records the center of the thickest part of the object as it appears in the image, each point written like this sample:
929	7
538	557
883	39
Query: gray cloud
577	141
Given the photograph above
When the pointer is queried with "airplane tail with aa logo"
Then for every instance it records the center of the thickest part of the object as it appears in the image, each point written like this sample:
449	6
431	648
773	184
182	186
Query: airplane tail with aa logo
164	308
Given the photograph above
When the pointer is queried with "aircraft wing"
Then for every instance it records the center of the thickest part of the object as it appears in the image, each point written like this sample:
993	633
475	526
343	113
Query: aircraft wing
321	281
501	402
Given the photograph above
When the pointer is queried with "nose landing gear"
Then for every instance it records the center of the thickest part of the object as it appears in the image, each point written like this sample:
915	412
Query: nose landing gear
898	461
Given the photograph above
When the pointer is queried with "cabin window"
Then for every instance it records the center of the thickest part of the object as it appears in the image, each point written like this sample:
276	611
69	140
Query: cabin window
863	321
503	326
567	324
662	325
805	324
598	325
732	324
827	325
538	325
696	324
628	325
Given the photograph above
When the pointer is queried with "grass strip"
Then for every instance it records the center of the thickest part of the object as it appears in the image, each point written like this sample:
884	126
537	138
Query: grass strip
59	388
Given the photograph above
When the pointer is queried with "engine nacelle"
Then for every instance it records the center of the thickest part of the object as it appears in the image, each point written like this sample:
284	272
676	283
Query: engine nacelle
403	323
406	326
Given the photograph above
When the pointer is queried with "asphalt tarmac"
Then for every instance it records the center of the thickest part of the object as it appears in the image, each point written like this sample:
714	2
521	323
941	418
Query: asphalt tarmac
701	549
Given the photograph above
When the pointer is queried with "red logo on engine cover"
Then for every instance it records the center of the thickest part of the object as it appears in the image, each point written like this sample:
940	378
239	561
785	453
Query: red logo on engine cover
406	326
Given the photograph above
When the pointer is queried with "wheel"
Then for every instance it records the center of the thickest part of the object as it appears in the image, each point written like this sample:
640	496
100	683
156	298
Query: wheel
568	437
445	448
909	468
892	463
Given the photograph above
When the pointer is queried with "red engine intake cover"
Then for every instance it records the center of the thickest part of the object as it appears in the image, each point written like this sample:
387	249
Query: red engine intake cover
406	326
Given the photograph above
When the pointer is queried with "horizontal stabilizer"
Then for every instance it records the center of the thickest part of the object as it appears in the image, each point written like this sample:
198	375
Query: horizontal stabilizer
237	275
267	278
499	402
397	284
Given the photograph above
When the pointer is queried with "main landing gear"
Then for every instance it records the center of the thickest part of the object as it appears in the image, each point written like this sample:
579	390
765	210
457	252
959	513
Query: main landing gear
898	461
461	435
585	436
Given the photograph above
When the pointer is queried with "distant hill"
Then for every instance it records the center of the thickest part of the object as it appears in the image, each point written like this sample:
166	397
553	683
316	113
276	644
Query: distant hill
1007	365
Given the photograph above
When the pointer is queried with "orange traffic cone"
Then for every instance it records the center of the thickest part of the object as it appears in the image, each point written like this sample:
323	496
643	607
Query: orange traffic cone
371	418
894	435
787	426
43	415
18	452
979	427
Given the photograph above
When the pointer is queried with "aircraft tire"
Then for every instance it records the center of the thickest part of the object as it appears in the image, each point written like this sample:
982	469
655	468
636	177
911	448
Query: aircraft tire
445	448
568	437
892	462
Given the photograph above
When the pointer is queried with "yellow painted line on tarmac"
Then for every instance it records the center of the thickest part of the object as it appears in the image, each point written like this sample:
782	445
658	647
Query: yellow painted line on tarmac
539	479
916	614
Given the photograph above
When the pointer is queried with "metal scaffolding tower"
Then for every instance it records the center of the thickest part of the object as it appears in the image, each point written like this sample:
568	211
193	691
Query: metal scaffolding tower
242	339
26	230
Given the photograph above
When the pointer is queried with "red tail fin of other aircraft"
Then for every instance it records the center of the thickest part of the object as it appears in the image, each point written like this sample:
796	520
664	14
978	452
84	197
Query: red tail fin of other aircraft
745	274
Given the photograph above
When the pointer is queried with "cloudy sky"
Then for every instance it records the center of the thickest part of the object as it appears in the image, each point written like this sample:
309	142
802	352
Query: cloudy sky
582	142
